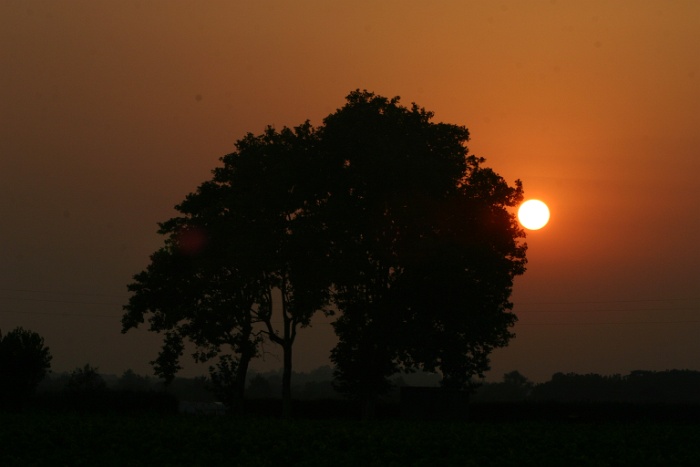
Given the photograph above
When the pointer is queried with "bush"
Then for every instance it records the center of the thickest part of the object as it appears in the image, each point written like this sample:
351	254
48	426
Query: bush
24	362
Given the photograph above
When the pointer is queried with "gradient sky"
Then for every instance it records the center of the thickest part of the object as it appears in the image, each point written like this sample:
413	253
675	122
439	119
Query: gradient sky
112	111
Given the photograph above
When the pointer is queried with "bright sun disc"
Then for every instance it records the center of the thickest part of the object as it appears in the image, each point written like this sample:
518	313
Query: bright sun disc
533	214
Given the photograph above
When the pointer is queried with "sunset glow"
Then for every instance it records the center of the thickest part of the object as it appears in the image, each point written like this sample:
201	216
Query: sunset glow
114	111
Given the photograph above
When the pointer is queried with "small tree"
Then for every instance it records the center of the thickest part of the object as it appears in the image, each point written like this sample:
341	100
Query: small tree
515	387
130	381
24	362
86	380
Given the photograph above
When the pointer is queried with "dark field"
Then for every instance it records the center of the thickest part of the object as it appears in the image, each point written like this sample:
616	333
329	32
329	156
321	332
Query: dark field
72	438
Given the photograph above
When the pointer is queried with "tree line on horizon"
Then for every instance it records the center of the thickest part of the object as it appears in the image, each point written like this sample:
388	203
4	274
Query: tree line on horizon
25	367
637	387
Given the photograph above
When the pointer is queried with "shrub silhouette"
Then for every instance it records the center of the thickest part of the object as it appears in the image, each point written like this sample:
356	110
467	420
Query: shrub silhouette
86	380
24	362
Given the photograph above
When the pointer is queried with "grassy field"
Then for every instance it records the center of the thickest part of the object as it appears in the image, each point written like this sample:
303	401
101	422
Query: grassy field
75	439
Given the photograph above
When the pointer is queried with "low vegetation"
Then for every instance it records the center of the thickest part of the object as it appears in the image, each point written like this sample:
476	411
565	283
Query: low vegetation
43	438
130	421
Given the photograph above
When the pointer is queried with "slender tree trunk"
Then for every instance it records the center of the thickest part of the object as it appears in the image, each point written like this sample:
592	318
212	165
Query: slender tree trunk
237	405
287	381
247	352
288	340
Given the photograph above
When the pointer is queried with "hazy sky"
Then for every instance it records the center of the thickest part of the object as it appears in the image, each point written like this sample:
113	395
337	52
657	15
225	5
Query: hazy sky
112	111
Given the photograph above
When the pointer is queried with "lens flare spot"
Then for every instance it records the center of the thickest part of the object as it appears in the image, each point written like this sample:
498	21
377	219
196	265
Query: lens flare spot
191	240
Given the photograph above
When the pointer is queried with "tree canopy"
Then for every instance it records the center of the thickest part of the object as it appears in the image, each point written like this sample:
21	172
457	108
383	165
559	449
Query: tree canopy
424	247
245	247
379	212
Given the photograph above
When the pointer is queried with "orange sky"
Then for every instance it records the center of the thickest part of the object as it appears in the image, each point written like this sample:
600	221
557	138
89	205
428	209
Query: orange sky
113	111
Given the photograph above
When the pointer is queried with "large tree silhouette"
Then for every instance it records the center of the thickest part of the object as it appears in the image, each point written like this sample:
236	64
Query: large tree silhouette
380	212
424	247
245	248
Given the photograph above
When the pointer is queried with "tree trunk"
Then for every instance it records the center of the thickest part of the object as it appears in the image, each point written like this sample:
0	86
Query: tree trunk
237	404
287	342
247	351
287	381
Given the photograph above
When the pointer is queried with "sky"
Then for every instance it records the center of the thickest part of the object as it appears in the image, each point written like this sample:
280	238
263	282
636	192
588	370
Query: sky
111	112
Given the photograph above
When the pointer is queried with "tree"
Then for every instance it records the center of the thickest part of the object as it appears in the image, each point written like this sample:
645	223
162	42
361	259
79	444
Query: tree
86	381
379	211
130	381
515	387
245	247
279	177
190	297
455	288
424	248
24	362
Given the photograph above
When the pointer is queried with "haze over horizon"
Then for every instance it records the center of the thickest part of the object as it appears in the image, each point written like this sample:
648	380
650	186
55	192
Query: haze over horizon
112	112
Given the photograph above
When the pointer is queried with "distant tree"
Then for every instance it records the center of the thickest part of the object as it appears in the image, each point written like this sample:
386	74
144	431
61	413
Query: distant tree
514	387
130	381
86	380
517	380
424	248
24	362
245	248
572	387
197	389
669	386
676	386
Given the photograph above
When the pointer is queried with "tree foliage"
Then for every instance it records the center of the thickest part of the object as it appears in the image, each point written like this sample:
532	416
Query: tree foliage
424	246
86	380
380	212
243	235
24	362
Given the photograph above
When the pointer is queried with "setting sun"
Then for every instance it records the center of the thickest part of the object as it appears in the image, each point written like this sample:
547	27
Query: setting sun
533	214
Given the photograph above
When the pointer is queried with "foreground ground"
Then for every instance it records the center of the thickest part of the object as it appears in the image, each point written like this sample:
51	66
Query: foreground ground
50	438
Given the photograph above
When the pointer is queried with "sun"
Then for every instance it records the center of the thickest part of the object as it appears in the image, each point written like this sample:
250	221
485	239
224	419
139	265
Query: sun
533	214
